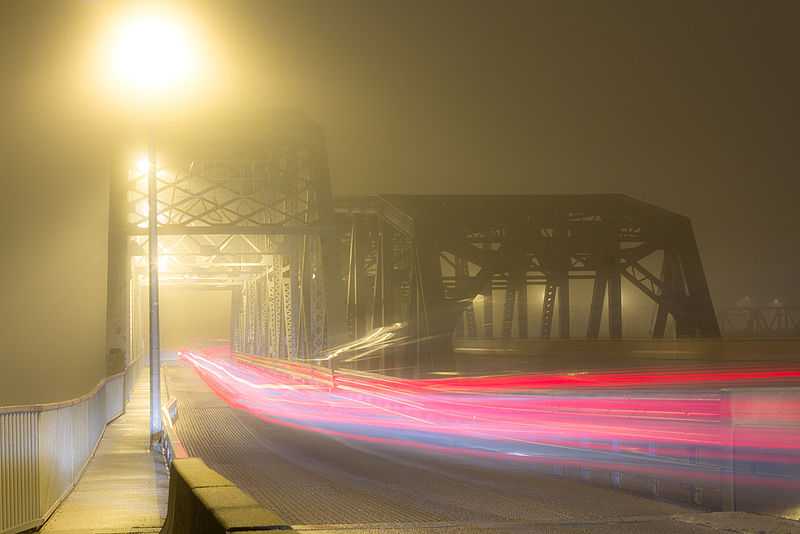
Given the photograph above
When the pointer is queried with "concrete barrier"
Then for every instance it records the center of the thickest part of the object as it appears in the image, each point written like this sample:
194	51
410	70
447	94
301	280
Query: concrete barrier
201	501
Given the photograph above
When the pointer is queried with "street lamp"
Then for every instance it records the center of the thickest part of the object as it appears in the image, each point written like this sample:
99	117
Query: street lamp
151	57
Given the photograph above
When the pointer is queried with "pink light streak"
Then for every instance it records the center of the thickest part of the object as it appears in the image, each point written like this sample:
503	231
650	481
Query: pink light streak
647	421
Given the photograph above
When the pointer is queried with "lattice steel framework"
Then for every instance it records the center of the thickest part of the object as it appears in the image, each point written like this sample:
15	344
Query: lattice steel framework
431	260
260	227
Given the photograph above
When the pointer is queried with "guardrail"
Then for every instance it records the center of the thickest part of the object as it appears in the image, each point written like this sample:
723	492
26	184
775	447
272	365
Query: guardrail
44	448
171	445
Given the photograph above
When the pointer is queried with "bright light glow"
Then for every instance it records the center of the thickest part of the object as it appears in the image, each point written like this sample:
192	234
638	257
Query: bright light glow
152	53
164	262
142	165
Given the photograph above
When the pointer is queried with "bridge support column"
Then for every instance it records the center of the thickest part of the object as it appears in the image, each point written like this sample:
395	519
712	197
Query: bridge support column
698	316
563	306
669	296
237	344
598	300
488	311
516	304
508	306
357	281
312	299
262	328
291	301
615	304
384	294
277	346
433	317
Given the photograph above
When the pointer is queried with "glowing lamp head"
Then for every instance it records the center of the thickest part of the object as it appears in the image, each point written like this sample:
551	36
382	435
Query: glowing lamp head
151	54
142	165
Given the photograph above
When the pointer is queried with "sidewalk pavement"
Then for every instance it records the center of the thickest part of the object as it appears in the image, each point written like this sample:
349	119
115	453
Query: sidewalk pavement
125	486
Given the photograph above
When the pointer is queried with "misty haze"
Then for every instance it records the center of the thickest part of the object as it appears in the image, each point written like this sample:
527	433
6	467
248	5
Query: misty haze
399	266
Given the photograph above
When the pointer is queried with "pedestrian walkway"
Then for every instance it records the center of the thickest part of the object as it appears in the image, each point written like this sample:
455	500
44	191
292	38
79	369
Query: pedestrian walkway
125	487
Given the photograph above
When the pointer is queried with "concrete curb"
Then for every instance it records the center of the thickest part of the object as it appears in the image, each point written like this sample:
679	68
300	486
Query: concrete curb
201	501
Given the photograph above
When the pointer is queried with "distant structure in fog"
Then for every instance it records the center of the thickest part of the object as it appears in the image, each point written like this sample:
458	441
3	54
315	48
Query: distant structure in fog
305	269
775	319
434	261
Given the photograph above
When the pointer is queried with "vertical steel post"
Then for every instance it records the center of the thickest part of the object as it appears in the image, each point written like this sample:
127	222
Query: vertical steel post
698	318
155	356
615	303
488	311
564	306
668	296
598	299
548	307
522	300
508	305
236	319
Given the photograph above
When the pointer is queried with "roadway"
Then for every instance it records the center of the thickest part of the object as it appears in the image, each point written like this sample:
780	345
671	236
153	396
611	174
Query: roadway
327	483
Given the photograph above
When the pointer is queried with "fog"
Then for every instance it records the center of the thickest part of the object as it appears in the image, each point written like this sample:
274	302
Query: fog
681	104
193	317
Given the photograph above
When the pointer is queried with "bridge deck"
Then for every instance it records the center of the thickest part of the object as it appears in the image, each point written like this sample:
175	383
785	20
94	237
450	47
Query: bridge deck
322	484
125	486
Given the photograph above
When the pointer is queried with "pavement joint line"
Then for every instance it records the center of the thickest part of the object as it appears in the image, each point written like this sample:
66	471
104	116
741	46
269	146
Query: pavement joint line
682	518
491	524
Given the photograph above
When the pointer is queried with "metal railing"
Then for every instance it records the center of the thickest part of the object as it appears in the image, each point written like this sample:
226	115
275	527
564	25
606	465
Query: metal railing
44	448
171	446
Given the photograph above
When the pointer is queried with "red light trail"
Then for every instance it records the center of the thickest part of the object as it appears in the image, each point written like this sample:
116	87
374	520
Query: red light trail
647	421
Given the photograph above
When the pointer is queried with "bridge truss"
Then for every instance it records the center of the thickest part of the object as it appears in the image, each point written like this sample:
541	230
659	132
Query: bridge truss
434	261
254	227
267	229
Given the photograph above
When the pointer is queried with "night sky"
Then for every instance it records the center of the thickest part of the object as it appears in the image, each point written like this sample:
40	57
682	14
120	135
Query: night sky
688	105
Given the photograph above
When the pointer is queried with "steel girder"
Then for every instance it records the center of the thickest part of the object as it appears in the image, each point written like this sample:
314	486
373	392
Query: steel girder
448	249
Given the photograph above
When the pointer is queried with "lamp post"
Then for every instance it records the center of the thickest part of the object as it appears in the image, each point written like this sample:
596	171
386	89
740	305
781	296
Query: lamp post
152	241
150	58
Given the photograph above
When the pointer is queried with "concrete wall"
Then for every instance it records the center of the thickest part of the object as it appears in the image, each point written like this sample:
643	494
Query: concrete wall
189	316
54	235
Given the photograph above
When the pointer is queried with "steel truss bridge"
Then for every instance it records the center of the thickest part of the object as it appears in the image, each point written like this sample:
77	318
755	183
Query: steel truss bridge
306	270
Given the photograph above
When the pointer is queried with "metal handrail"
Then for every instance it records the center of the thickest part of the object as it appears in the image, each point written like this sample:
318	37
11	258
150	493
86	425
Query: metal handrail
38	472
43	407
